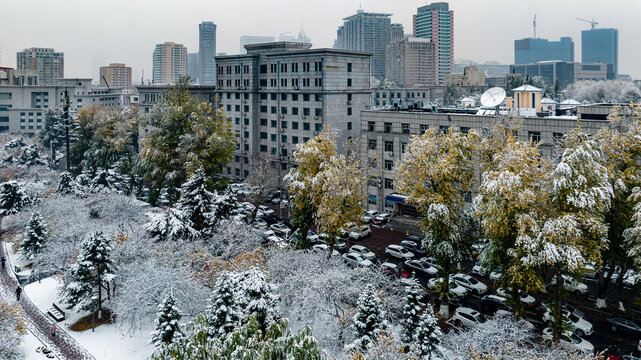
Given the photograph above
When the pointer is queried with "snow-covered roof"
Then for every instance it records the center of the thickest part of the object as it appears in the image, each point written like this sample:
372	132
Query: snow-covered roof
527	88
570	102
547	101
467	99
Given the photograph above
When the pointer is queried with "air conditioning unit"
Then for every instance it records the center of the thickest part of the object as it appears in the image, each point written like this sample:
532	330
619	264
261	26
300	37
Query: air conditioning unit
244	87
260	101
391	154
282	130
245	127
244	101
296	87
244	114
245	140
316	133
349	103
303	117
282	116
315	117
237	87
260	88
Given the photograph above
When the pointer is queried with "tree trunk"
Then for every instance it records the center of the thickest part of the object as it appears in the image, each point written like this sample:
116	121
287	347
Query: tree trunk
603	288
557	323
445	288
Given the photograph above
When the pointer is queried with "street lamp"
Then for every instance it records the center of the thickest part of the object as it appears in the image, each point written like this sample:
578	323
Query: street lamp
94	299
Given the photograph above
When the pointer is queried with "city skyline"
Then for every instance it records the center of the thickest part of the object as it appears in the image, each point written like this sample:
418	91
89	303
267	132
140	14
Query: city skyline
86	51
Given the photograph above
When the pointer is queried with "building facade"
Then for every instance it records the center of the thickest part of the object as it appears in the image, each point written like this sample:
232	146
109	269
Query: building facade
11	76
47	63
169	63
469	77
207	53
117	76
407	97
529	50
411	62
601	46
193	67
367	32
489	70
436	22
565	73
251	40
398	32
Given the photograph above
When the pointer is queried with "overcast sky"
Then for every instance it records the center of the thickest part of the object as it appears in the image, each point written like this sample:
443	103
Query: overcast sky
93	33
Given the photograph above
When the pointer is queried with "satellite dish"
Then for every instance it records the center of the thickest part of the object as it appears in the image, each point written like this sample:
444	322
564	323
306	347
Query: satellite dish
493	97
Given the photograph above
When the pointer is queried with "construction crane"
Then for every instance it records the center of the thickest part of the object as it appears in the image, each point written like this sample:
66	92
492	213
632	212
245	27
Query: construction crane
592	22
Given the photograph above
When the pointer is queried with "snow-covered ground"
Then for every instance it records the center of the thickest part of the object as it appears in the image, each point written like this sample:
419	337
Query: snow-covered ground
29	345
107	342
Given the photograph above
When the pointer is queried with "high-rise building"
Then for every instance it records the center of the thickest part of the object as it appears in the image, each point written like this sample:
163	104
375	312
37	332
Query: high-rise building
207	52
117	76
251	40
410	62
601	45
398	32
193	67
530	50
48	64
170	63
367	32
436	22
561	72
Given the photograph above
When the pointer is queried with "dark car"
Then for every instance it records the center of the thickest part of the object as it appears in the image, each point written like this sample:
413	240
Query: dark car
340	246
413	247
625	325
413	238
421	268
490	304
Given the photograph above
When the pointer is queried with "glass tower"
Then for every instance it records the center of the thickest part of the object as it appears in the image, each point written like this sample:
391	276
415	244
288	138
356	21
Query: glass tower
601	45
207	51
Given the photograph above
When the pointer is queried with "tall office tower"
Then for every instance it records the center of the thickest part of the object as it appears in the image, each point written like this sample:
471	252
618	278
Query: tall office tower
251	40
530	50
48	64
436	22
207	51
398	32
117	76
193	67
170	63
367	32
601	45
410	62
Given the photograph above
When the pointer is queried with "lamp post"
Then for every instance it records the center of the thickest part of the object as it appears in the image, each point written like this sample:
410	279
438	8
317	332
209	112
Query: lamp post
93	313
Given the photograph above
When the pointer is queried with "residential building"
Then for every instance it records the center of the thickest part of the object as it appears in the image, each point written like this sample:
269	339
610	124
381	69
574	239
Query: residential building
47	63
436	22
530	50
193	67
470	77
366	32
207	52
116	75
601	46
169	63
411	62
565	73
252	39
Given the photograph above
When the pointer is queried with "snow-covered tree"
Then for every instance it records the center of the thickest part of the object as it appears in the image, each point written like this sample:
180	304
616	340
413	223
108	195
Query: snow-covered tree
633	233
412	311
92	271
435	174
263	180
427	335
385	347
168	328
12	328
608	91
172	224
196	203
66	185
34	236
15	143
30	156
369	320
225	206
256	296
13	197
223	313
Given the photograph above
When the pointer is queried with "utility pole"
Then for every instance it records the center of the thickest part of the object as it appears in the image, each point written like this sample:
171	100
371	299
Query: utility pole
65	108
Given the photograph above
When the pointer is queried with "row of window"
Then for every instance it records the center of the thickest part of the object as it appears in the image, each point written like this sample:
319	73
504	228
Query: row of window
405	128
295	110
409	95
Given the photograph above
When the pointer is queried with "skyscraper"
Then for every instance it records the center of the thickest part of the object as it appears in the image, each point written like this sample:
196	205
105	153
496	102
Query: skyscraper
48	64
367	32
601	45
410	62
117	76
530	50
170	63
436	22
207	51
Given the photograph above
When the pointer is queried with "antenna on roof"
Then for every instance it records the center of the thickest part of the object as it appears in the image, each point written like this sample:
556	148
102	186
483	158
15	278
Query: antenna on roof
534	24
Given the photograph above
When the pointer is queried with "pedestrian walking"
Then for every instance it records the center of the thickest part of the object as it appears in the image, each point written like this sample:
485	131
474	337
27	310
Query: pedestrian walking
3	260
53	330
18	292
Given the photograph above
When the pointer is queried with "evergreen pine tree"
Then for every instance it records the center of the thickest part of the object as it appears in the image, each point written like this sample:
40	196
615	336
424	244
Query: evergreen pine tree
412	310
196	202
30	156
15	143
92	270
225	206
222	314
13	197
428	334
34	234
66	185
256	296
167	323
368	320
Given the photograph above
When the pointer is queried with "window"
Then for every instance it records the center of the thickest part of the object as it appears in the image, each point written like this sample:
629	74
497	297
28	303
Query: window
283	124
294	139
389	184
263	122
444	128
246	108
274	110
305	126
387	127
349	125
305	97
306	111
318	127
263	96
283	138
263	135
405	128
294	111
349	82
389	164
403	146
318	112
556	137
318	97
263	69
349	67
389	146
465	130
424	129
349	111
371	144
283	97
246	121
263	108
371	200
5	96
283	110
371	126
274	137
535	136
237	107
274	151
246	134
237	120
274	96
274	123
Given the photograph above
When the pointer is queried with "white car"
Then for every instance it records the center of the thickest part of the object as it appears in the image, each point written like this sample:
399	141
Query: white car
369	216
265	210
355	259
363	251
528	300
468	317
381	219
360	232
571	285
455	289
631	278
400	252
469	283
344	231
480	269
281	229
580	326
570	341
269	232
496	274
248	206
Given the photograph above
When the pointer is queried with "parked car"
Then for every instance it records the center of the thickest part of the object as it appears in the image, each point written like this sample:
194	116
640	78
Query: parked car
580	326
624	325
545	307
526	299
590	272
570	284
340	246
381	219
323	248
570	341
468	317
355	259
492	304
413	247
281	228
363	251
399	252
311	236
478	247
360	232
392	269
469	283
413	238
496	274
265	210
631	278
454	289
480	269
431	262
369	216
615	274
344	232
421	268
276	241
